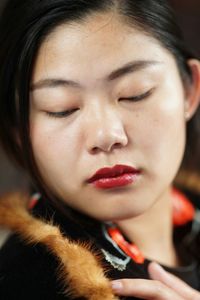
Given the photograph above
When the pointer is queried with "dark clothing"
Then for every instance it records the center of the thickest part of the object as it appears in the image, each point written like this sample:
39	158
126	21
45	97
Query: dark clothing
31	272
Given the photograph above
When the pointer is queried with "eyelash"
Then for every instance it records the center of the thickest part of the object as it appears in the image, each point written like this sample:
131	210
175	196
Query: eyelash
64	114
61	114
139	97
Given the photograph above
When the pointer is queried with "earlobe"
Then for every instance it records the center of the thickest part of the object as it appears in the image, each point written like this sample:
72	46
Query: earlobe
193	94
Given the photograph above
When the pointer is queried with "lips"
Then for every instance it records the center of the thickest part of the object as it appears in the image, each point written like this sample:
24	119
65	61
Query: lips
119	175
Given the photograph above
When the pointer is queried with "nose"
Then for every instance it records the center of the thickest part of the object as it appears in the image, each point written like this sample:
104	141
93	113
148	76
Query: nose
105	132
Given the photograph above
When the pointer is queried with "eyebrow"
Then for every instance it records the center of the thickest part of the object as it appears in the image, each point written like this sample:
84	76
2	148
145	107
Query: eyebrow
130	67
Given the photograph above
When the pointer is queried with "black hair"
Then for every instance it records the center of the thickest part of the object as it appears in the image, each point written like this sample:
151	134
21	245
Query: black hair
25	24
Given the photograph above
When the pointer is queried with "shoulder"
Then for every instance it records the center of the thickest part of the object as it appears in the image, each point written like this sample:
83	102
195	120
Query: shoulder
28	272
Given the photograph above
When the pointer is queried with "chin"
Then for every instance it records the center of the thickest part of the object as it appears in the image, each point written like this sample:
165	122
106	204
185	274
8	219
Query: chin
117	216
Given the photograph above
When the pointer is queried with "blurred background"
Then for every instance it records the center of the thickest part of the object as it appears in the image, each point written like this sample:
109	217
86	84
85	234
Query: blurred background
188	16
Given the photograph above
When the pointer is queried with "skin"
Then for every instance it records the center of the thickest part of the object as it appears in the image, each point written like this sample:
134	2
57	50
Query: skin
106	128
163	286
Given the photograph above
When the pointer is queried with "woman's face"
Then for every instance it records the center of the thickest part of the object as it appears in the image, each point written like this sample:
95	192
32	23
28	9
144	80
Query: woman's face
83	118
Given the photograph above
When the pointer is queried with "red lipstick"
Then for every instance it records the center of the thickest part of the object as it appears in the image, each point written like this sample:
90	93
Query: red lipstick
119	175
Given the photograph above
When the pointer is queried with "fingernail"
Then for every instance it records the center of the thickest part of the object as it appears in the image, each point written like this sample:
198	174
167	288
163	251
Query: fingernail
116	285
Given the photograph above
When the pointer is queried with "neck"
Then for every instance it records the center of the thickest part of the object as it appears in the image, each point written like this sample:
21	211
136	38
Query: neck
152	232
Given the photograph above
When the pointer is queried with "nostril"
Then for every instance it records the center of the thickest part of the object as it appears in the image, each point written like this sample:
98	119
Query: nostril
95	150
106	141
117	145
105	148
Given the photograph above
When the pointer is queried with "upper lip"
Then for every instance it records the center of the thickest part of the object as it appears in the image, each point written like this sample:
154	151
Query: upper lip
108	172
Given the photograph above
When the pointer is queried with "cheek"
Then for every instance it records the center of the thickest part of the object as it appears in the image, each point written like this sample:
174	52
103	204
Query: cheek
169	122
161	133
167	142
55	147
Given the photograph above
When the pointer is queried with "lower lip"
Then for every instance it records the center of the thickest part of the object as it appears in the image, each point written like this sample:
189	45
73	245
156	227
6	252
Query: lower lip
108	183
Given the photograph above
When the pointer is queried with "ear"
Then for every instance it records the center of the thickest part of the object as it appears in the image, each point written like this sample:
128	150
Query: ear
193	91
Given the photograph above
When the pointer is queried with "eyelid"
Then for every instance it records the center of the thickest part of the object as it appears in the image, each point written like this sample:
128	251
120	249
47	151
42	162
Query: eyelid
139	97
61	114
66	113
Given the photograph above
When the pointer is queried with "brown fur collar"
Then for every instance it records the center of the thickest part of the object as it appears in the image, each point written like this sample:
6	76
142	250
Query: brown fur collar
90	283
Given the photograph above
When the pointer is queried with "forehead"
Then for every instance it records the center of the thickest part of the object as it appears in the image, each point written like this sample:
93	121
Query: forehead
98	44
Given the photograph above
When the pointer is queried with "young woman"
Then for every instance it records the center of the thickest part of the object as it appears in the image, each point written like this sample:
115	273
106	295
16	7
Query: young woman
96	98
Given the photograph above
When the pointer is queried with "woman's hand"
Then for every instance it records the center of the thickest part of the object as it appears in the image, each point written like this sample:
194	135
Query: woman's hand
163	286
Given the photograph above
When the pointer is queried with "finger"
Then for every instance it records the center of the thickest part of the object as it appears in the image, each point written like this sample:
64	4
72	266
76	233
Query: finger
144	289
156	272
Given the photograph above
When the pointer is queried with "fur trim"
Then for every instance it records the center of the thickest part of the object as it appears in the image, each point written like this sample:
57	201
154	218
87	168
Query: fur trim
90	283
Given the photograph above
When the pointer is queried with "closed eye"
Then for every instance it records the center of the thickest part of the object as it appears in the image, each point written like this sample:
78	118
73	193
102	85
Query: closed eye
66	113
61	114
139	97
